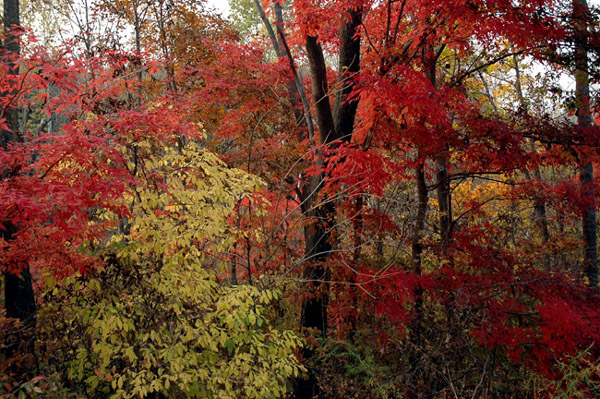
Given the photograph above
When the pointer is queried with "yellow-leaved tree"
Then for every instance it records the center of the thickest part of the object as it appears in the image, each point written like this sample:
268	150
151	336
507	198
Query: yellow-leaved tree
156	321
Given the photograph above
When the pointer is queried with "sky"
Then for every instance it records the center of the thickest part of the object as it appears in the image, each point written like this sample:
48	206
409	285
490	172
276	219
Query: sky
220	5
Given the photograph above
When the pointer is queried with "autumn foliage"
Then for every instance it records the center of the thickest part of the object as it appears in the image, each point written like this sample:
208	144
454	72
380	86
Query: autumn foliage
372	199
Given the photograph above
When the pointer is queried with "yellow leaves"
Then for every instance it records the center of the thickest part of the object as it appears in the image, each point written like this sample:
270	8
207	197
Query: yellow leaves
156	320
94	285
185	202
481	197
130	354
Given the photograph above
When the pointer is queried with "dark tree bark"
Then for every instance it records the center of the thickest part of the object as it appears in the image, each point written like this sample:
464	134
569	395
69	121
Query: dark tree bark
584	119
334	125
416	323
445	202
18	289
320	90
18	292
344	111
444	195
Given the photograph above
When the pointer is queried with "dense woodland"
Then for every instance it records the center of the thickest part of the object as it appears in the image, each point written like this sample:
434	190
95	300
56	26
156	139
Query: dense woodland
306	199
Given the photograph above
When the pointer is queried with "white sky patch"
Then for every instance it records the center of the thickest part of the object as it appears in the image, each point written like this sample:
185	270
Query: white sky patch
222	6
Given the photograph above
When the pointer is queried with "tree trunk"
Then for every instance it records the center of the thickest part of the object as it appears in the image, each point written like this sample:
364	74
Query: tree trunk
584	120
416	322
18	289
445	202
334	125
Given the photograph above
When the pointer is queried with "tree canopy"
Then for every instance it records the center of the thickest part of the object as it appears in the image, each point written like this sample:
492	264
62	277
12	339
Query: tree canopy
350	198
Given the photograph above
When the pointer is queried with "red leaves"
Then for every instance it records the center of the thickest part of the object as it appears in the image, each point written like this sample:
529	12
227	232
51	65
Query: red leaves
51	200
394	293
353	171
60	188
